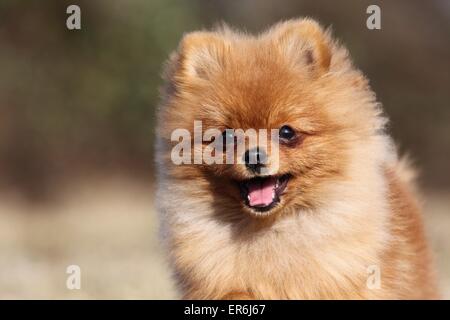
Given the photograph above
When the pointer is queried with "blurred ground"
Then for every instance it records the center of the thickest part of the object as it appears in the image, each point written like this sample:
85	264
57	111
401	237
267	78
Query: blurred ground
109	228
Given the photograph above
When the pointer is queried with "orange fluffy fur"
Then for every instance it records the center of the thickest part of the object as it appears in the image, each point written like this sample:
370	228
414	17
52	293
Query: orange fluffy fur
348	205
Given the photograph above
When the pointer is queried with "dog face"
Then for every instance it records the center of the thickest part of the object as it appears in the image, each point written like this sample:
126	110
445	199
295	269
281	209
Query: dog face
292	81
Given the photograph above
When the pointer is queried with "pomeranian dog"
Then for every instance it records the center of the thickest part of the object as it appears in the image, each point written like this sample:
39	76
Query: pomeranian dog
335	216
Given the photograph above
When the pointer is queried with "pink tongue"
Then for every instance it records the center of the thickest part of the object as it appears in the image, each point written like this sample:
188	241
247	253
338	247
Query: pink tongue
261	194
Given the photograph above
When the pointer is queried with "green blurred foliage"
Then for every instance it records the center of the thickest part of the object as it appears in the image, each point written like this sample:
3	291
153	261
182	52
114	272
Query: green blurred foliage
74	101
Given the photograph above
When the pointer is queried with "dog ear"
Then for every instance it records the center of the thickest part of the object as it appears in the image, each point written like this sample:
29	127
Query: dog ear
199	55
305	42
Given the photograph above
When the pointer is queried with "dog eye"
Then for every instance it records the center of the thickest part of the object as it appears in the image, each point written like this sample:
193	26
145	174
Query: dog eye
228	136
286	133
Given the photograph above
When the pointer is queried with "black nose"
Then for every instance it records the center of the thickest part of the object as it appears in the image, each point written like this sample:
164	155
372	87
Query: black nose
255	159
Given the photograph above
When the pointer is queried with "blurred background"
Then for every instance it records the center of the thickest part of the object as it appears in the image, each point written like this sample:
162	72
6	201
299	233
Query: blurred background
77	112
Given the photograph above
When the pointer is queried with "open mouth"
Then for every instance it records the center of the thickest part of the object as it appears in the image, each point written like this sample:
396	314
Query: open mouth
263	193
